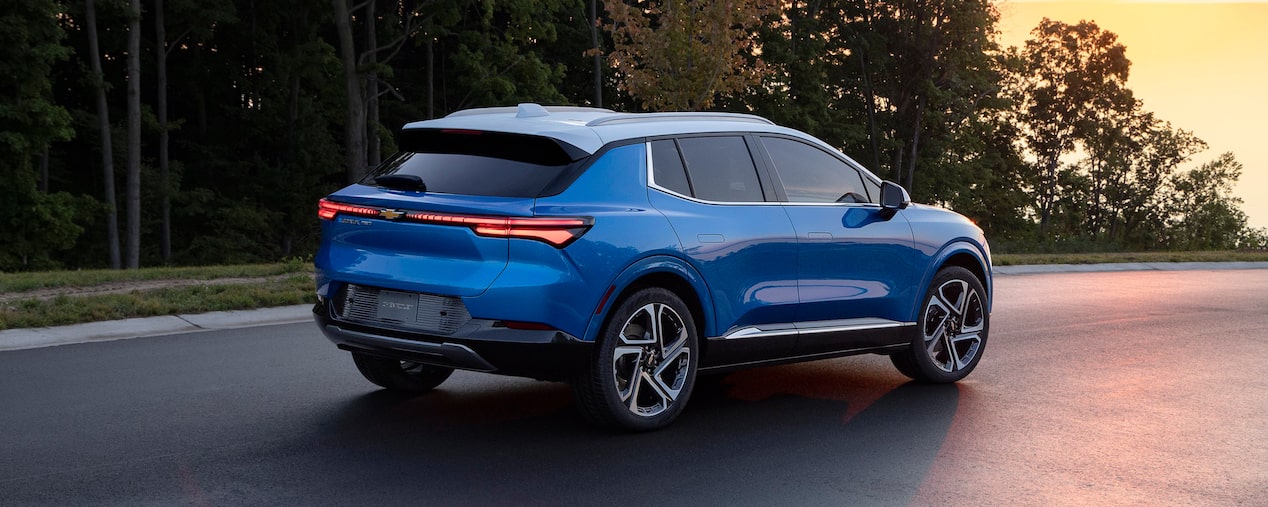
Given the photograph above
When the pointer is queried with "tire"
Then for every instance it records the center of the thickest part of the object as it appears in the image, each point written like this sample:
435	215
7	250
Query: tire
405	376
951	331
644	366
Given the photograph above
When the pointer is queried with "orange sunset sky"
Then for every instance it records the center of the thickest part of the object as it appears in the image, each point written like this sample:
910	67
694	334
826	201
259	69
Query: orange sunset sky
1201	65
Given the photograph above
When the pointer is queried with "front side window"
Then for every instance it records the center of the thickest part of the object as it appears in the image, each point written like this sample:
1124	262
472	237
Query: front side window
721	169
810	174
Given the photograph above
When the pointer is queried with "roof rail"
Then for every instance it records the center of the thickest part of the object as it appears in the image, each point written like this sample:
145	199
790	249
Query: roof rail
680	116
533	110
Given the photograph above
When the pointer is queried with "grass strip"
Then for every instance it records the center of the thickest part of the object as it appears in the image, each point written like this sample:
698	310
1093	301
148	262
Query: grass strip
18	282
63	310
1103	258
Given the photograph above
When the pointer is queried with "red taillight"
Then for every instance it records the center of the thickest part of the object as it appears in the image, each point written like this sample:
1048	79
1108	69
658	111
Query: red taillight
327	210
557	232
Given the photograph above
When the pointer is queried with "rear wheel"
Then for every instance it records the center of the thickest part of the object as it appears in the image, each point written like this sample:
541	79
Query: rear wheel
407	376
644	366
953	328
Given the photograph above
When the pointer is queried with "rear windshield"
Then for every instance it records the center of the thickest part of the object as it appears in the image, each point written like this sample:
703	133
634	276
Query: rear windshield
477	163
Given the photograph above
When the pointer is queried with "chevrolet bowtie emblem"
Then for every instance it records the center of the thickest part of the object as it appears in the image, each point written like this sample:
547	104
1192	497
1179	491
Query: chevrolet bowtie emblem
391	214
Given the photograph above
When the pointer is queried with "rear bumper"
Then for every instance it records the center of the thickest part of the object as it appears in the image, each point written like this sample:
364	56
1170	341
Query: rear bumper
479	345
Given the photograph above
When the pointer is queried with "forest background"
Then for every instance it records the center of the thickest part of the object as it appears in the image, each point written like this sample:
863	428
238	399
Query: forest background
186	132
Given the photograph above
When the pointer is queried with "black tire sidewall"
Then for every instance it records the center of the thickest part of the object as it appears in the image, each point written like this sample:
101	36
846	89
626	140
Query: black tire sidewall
389	374
602	366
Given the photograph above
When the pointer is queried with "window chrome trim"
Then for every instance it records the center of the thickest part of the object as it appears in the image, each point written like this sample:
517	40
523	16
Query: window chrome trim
807	328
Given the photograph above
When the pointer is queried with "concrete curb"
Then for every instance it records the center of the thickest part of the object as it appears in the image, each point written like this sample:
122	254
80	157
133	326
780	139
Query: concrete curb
29	338
16	339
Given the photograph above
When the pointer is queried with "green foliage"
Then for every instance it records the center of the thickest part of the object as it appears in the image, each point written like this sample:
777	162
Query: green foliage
1043	146
1203	214
679	56
32	224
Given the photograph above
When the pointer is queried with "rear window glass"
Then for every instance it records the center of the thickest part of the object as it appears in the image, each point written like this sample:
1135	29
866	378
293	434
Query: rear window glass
476	163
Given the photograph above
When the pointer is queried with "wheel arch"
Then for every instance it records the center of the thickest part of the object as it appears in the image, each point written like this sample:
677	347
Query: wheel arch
663	271
967	255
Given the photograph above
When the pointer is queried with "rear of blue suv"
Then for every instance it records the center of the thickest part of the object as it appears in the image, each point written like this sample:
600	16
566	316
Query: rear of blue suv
593	247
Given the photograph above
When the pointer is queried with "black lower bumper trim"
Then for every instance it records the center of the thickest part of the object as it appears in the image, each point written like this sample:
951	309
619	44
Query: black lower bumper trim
449	354
480	345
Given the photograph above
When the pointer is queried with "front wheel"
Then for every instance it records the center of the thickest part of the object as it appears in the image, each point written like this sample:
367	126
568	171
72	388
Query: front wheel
953	327
644	365
406	376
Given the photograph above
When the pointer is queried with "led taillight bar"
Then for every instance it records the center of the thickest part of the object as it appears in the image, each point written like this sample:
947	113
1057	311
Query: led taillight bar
327	210
556	231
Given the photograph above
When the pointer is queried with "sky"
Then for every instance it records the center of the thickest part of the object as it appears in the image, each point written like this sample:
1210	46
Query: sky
1201	65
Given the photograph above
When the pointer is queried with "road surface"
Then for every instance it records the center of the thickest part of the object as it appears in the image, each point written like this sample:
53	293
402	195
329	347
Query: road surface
1127	388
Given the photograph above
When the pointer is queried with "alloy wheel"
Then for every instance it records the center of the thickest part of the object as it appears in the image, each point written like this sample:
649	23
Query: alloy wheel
954	320
651	363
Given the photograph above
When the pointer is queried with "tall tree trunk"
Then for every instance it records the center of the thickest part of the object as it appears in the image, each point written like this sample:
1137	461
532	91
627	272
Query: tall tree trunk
103	124
1047	191
134	135
871	113
165	197
598	57
354	117
910	182
374	144
431	78
44	170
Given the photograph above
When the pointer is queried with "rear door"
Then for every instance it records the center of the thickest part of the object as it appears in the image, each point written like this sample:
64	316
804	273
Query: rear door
736	236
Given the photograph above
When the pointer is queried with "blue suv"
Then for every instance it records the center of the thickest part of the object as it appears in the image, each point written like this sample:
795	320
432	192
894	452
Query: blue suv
630	253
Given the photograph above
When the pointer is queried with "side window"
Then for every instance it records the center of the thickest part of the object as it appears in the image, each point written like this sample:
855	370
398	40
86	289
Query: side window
811	175
667	167
721	169
873	189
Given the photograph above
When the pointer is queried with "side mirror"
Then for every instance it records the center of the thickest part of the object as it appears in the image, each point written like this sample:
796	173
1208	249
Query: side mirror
893	197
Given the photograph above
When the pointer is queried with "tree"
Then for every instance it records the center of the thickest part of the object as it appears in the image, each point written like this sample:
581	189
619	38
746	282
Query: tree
679	55
362	67
134	136
32	223
1203	213
103	127
161	51
1074	78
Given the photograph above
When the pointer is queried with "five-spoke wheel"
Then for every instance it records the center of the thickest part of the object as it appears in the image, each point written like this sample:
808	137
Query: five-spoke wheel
953	327
644	365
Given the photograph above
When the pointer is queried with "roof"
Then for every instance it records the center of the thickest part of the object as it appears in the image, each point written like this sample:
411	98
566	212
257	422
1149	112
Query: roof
590	128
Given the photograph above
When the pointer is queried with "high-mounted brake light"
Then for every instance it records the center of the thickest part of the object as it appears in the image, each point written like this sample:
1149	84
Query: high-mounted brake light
555	231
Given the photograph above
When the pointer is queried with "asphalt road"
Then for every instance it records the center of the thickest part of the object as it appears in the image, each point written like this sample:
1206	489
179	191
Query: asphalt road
1135	388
